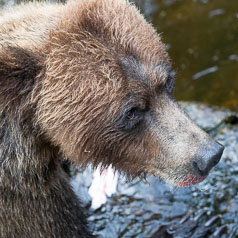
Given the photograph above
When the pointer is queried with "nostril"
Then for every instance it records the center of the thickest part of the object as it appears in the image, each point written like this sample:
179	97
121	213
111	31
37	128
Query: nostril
215	160
217	155
197	170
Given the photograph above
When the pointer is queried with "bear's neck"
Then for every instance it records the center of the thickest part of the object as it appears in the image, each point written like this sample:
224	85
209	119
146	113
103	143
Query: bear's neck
25	160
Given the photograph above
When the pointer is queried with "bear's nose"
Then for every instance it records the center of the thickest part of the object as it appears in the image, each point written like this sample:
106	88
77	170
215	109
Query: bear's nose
207	158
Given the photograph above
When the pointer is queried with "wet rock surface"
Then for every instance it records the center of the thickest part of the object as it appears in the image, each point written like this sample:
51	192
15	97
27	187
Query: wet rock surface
155	209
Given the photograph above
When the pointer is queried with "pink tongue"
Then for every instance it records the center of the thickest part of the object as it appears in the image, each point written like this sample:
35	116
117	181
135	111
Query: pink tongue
191	180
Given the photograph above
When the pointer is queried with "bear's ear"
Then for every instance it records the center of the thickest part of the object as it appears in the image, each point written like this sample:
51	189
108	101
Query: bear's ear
18	70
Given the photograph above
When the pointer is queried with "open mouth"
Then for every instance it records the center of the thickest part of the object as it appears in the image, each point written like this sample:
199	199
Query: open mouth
192	179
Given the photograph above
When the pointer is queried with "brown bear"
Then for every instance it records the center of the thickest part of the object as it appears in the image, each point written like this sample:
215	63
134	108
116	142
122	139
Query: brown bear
89	81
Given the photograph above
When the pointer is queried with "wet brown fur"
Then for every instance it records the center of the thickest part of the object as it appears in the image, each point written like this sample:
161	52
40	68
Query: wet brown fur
69	74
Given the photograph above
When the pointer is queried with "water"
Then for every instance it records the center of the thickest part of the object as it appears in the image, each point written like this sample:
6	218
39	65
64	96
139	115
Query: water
201	36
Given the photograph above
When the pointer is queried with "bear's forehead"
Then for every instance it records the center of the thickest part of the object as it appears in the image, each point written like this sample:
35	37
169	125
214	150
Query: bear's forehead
154	75
118	26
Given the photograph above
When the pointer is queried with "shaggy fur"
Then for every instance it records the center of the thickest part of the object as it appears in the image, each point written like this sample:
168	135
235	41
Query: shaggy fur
90	81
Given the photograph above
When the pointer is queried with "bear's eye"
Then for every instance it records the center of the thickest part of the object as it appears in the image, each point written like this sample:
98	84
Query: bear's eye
132	114
132	119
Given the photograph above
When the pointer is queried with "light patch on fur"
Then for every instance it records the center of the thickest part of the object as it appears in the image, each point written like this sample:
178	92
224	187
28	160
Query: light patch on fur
179	139
20	28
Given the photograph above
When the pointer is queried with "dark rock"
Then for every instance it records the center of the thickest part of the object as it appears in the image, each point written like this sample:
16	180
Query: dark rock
140	209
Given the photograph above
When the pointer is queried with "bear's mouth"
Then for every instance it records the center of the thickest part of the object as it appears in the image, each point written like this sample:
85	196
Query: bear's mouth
191	180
